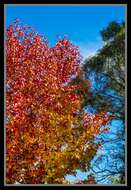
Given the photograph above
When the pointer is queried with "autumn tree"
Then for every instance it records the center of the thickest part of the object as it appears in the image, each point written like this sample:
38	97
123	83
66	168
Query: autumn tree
48	134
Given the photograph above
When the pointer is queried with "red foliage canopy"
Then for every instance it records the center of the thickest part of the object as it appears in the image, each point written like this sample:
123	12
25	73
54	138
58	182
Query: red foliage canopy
47	131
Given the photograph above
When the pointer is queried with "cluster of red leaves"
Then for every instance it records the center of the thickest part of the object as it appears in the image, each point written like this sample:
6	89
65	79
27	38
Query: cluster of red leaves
89	180
42	107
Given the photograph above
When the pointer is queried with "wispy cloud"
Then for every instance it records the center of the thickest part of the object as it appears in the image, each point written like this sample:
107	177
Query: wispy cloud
88	48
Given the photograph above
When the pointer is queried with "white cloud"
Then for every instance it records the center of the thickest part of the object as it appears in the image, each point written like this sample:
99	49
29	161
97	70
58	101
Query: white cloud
85	52
88	48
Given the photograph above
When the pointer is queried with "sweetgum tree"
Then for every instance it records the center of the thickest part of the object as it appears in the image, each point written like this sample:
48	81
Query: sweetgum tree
48	135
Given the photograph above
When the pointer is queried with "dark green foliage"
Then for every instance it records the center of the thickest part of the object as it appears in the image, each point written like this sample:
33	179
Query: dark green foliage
111	31
107	68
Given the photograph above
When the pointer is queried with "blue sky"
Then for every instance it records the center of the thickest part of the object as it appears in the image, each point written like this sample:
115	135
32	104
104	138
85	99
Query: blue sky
82	24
